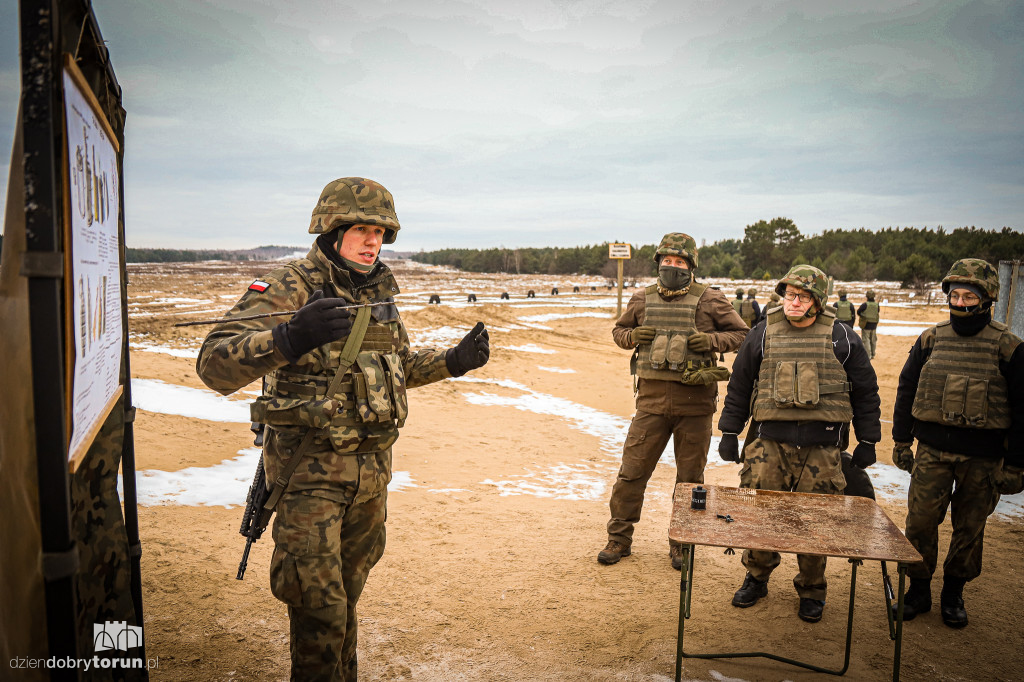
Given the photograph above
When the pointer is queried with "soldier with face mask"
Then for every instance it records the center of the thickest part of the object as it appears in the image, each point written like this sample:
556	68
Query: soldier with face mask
807	377
676	327
334	399
961	395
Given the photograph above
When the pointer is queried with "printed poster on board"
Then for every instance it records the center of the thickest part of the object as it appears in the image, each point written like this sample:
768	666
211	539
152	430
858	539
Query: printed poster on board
93	184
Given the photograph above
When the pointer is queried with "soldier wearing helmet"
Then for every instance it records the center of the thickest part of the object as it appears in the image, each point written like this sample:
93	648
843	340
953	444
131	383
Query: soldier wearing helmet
737	303
868	315
844	309
749	310
676	328
812	379
961	395
335	381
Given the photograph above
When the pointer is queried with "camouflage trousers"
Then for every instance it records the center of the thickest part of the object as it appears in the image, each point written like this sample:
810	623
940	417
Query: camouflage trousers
870	339
648	435
328	533
770	465
943	480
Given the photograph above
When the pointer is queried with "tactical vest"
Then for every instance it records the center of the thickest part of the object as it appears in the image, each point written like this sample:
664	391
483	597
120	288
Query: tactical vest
870	313
667	357
800	378
369	406
746	311
844	311
960	383
737	304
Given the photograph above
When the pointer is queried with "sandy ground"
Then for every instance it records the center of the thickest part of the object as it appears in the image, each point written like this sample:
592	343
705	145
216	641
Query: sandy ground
490	570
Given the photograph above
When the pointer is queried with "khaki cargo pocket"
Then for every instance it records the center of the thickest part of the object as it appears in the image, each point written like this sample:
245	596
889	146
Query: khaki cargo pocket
784	385
676	352
396	374
305	570
373	397
964	400
807	391
659	350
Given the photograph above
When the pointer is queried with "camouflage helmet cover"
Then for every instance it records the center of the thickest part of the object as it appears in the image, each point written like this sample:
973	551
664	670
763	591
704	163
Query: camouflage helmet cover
775	297
751	292
739	291
870	293
842	292
678	244
347	201
810	279
974	271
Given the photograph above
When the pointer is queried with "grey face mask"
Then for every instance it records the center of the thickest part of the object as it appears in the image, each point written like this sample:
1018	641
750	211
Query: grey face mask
672	278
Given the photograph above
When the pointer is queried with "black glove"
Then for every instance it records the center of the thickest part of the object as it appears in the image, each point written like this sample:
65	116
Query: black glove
318	322
729	447
472	351
864	454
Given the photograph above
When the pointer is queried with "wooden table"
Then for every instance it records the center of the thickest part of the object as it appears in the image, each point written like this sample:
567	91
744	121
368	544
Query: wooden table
854	528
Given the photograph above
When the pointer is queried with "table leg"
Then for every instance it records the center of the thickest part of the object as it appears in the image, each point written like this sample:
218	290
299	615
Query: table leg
685	590
902	568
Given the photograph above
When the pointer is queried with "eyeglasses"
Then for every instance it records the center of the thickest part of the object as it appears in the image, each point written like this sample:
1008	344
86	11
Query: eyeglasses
793	295
966	299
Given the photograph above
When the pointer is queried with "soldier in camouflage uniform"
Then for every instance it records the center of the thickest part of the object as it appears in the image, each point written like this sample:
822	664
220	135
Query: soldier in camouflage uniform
676	327
844	310
335	393
961	395
737	303
807	377
867	320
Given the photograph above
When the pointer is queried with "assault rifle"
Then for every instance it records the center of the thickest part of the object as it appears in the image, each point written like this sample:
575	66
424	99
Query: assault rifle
256	517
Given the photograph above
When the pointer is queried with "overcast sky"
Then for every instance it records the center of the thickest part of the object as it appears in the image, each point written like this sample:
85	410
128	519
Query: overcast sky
538	122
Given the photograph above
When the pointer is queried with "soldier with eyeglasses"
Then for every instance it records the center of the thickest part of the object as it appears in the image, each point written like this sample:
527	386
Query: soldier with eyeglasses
961	395
806	376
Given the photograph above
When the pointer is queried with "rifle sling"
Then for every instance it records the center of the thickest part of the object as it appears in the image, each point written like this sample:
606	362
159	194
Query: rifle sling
348	357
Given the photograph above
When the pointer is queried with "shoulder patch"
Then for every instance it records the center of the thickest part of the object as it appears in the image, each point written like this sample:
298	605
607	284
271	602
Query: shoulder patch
259	285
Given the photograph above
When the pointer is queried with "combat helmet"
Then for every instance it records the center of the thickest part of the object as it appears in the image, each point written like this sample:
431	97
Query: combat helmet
677	244
751	292
842	292
346	201
739	291
810	279
870	294
973	271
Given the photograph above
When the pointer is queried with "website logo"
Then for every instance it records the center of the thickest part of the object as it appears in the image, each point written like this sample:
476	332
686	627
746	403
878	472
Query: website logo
116	634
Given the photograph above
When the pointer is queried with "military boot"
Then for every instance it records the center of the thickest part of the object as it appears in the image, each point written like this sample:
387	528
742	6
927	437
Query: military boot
918	599
675	553
952	602
752	590
810	609
612	552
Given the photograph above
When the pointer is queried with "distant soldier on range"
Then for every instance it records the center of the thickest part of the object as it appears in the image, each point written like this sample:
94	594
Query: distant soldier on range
334	399
867	319
844	310
677	327
750	310
808	377
961	395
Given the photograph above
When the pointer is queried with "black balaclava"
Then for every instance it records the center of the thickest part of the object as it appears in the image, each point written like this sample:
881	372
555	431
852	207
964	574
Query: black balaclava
968	320
672	278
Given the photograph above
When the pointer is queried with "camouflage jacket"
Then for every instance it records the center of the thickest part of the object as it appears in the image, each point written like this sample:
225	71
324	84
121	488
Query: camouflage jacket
236	353
716	317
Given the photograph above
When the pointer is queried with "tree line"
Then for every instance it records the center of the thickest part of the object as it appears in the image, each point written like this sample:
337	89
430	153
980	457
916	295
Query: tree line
909	255
194	256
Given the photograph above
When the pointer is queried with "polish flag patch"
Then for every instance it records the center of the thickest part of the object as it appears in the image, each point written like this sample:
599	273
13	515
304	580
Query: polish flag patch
259	285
